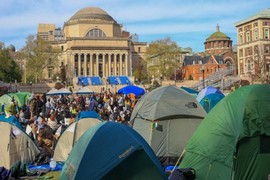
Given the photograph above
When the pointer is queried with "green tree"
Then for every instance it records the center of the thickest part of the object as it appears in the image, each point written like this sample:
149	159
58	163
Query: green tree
9	70
39	55
162	58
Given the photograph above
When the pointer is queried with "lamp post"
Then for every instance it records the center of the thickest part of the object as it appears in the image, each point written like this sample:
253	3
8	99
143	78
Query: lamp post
30	83
202	70
161	79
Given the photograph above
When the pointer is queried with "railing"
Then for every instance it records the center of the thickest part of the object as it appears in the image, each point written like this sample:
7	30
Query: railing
217	79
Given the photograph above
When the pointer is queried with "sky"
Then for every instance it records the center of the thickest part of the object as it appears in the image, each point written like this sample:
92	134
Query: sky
187	22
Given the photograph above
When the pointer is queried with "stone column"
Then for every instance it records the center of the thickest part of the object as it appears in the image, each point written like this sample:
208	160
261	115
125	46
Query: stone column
84	65
121	65
115	64
90	66
103	66
79	65
126	64
110	63
97	64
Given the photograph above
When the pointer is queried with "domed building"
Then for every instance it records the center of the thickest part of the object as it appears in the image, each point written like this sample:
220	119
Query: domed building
93	44
219	43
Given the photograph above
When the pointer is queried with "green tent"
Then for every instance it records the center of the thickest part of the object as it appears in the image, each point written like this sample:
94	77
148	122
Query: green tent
166	118
20	97
233	141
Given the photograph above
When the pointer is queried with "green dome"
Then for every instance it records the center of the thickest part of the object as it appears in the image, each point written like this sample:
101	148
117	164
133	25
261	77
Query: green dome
217	35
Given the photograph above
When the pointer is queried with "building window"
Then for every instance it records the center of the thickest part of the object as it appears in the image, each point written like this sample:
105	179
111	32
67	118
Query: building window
50	73
139	49
96	33
241	53
247	36
266	33
62	48
241	39
256	50
256	35
265	23
266	49
240	30
248	65
255	24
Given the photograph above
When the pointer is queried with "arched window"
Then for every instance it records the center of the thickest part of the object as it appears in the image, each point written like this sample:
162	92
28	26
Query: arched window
95	33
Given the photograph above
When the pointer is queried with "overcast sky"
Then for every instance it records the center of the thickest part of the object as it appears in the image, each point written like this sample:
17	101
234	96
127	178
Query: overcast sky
187	22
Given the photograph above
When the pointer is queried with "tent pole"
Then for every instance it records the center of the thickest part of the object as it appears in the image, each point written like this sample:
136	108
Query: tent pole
180	157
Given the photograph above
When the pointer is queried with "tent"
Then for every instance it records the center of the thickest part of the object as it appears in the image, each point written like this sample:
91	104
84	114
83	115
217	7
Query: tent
22	98
166	117
131	89
232	142
85	90
70	136
51	92
87	114
210	100
62	91
15	145
112	150
208	90
189	90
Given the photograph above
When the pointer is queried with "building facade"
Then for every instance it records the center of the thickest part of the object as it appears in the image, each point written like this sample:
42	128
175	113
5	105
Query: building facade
93	44
218	55
220	44
253	47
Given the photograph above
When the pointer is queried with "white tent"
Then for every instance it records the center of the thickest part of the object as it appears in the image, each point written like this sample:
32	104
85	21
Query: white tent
70	136
85	90
51	92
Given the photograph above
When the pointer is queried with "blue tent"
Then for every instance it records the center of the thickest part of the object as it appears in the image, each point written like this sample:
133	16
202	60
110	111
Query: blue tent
131	89
189	90
87	114
111	150
11	120
209	101
208	90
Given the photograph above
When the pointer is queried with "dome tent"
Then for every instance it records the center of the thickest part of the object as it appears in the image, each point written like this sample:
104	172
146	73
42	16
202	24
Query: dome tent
111	150
71	135
166	117
232	142
15	145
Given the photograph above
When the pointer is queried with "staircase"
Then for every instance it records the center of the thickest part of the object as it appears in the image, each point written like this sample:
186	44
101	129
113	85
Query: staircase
221	79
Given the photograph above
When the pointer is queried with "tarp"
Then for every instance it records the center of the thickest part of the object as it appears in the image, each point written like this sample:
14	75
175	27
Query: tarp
167	117
131	89
15	144
112	150
62	91
70	136
232	142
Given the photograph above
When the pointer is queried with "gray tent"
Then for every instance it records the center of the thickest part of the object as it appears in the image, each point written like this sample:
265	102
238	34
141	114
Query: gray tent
71	135
167	117
15	145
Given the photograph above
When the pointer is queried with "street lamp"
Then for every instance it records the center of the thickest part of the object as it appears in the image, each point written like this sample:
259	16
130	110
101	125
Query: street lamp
30	83
202	70
161	79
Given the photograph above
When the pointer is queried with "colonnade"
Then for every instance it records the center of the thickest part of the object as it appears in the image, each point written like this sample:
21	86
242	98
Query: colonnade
101	64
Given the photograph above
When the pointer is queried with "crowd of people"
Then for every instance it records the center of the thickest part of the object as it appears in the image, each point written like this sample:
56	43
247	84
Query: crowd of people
44	117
